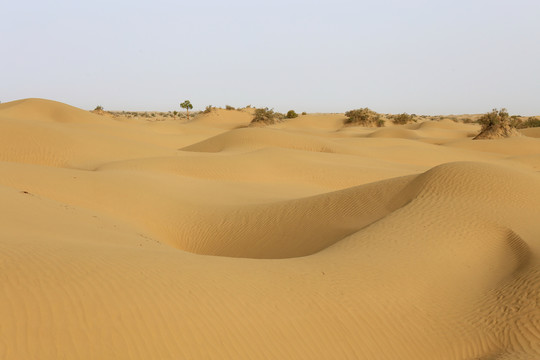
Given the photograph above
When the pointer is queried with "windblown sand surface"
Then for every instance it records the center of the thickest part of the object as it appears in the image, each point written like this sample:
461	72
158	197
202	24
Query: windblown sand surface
208	239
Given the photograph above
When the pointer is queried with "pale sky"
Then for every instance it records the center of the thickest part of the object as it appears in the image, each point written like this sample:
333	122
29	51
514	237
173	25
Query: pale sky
418	56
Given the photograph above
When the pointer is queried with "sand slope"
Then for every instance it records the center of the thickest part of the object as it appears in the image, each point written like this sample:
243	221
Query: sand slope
207	240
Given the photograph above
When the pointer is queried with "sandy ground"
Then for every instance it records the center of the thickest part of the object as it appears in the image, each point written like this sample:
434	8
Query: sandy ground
208	239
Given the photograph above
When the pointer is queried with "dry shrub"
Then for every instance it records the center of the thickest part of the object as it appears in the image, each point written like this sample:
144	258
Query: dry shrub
496	124
264	116
402	119
363	117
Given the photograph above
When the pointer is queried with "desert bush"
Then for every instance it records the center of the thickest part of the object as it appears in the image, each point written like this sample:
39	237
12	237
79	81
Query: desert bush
229	107
515	121
98	108
304	113
494	119
402	119
467	120
291	114
264	116
208	109
496	124
531	121
363	116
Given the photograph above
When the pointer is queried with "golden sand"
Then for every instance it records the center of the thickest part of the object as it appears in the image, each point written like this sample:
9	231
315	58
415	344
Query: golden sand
208	239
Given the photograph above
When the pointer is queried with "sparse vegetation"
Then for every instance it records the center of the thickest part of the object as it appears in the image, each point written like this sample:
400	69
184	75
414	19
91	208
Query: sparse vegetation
532	121
495	118
291	114
186	105
363	117
515	121
402	119
304	113
264	116
208	109
229	107
98	108
496	124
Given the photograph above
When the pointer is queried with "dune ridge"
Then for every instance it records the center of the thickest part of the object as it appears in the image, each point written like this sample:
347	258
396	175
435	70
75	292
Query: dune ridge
206	240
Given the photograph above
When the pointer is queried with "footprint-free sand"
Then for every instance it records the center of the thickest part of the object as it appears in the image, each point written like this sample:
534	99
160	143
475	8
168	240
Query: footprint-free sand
209	239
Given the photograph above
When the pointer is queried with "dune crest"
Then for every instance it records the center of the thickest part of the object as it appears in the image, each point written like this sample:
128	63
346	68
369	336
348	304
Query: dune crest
208	239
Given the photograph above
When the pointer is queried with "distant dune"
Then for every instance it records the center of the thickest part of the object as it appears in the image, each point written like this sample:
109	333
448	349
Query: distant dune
208	239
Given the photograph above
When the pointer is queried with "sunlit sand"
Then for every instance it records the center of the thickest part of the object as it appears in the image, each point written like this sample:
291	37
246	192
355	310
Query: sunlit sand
123	238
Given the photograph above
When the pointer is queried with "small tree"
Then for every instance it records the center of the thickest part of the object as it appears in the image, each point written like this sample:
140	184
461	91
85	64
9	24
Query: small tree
186	105
175	113
291	114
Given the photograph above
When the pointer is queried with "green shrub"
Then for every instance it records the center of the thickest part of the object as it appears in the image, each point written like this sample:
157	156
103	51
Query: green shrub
264	116
402	119
98	108
364	117
229	107
291	114
208	109
304	113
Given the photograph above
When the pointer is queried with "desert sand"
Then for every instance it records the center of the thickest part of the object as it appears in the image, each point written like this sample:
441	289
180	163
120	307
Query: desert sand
209	239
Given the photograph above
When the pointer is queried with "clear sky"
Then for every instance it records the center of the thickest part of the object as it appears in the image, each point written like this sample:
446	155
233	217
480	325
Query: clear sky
416	56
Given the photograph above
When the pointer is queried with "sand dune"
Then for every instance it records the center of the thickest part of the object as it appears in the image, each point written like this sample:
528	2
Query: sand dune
126	239
225	119
532	132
